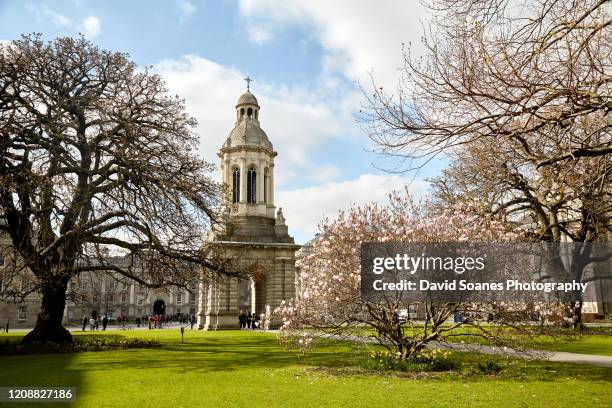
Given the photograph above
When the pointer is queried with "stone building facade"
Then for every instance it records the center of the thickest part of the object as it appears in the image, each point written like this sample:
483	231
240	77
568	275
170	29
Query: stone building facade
99	293
257	236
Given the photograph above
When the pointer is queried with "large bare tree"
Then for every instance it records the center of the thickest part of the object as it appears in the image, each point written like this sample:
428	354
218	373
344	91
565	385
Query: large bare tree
98	172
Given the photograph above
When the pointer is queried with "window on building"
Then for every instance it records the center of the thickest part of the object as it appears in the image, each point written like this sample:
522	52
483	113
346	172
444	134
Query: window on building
192	298
73	284
138	312
123	297
251	185
140	300
250	113
23	312
236	186
179	298
70	314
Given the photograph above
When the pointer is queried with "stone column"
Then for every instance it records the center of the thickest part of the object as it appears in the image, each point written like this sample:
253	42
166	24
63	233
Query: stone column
260	181
253	294
132	293
203	303
243	180
102	302
271	186
131	308
227	171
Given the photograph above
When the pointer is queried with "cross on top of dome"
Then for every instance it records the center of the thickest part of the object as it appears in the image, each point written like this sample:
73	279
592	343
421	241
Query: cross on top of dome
248	81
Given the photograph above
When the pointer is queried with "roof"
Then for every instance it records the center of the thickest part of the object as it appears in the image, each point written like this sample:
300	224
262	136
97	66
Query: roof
248	133
247	98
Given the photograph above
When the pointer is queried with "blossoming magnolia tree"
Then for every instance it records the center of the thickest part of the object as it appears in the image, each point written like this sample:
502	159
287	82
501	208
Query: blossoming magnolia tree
329	300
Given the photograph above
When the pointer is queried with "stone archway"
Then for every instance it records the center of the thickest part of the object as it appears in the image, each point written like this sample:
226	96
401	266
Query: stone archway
159	307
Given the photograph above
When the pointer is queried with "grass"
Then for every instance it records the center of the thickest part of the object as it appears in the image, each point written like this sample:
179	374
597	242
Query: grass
600	344
240	368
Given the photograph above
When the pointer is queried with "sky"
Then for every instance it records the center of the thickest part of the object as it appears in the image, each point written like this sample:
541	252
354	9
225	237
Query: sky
307	59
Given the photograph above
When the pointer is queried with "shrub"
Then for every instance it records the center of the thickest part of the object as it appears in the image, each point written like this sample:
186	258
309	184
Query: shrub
489	367
85	343
427	360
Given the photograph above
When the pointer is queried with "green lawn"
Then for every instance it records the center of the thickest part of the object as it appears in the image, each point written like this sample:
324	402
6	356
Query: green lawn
237	369
590	344
598	342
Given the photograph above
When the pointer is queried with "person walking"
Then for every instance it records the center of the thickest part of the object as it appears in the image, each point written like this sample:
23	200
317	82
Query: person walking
84	322
192	321
92	323
104	322
241	319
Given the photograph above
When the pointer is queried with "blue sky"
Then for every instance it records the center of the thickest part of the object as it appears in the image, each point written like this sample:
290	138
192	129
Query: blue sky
306	59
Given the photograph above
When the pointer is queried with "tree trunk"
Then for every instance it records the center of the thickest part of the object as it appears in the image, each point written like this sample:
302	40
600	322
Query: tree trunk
49	322
577	316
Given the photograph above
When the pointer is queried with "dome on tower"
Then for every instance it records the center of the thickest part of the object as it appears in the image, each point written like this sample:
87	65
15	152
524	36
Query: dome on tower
247	133
247	98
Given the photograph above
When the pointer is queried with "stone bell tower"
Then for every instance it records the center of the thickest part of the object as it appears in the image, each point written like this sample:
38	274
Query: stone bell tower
257	236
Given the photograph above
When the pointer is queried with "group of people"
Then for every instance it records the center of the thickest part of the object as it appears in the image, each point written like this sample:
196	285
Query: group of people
249	320
94	322
156	321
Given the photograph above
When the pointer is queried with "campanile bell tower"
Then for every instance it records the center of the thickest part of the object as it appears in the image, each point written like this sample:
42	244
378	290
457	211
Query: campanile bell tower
256	236
247	163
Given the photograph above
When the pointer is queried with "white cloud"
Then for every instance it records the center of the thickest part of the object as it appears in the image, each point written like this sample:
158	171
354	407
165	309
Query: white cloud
90	26
327	172
44	14
357	36
296	120
304	208
258	34
186	10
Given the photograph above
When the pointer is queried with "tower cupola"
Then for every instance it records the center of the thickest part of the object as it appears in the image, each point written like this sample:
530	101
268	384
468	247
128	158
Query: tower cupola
247	106
247	162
